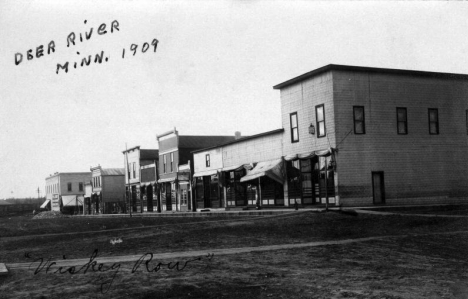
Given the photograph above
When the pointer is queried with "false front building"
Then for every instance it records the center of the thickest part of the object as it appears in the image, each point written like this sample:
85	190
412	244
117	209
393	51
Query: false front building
175	151
108	191
140	178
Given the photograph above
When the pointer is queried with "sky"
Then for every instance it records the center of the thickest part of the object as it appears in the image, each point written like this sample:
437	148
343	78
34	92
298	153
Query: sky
213	71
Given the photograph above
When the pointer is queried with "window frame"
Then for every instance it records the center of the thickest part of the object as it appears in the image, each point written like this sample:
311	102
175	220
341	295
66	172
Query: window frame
69	187
317	122
296	128
172	162
207	160
164	163
355	121
80	186
429	110
134	170
405	121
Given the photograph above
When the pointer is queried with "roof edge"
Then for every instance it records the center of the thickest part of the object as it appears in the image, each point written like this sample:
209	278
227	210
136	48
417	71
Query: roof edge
241	139
331	67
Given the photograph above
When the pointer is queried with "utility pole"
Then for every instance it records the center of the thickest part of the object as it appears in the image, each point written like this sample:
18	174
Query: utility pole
127	174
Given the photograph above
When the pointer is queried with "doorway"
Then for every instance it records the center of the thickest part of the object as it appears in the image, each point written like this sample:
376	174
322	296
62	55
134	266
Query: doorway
378	187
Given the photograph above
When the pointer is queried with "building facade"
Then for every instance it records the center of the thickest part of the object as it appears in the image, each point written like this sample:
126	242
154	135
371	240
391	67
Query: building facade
140	178
243	172
108	190
66	189
176	150
379	135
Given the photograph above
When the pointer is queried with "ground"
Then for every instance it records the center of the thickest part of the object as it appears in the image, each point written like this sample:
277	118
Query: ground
406	256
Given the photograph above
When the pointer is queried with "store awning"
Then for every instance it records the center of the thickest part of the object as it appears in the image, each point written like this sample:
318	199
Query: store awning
166	180
307	155
271	169
70	200
290	157
237	167
205	173
45	203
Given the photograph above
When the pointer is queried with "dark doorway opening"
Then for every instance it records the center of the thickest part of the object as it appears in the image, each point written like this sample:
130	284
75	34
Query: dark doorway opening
378	187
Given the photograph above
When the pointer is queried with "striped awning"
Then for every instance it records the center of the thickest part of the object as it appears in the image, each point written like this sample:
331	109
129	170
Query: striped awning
206	173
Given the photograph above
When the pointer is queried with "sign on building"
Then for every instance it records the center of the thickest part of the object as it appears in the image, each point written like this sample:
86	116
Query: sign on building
55	202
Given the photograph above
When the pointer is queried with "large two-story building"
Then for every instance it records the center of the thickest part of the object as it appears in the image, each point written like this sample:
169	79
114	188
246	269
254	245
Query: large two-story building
108	190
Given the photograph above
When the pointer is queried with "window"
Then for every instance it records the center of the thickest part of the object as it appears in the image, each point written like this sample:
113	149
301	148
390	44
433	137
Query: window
128	170
164	164
207	159
433	121
359	121
69	186
320	117
134	169
80	186
402	121
172	162
294	127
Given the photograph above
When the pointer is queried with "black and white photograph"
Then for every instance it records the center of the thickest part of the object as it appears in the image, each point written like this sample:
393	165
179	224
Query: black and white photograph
233	149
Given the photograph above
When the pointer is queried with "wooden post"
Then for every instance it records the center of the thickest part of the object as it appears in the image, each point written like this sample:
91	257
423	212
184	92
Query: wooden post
128	180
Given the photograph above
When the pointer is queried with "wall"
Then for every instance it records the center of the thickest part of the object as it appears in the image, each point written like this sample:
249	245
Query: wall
302	97
132	156
113	188
263	148
216	160
418	167
74	179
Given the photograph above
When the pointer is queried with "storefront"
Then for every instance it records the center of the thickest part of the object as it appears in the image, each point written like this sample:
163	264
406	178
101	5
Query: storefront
311	177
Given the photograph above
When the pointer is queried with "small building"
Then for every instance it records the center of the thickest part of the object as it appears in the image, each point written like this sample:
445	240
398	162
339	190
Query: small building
174	151
240	173
108	190
65	191
141	178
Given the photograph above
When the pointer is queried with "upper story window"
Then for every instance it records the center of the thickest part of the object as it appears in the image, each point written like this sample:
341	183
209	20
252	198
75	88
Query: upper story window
359	120
69	186
80	186
402	121
207	160
294	127
433	121
128	170
320	117
134	170
164	164
172	162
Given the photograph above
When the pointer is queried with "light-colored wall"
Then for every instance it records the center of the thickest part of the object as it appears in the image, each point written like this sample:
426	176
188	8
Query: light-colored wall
216	160
132	157
74	179
302	97
417	165
263	148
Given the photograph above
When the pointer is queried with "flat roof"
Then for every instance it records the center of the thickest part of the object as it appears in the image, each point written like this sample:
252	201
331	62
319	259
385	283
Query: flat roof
241	139
340	67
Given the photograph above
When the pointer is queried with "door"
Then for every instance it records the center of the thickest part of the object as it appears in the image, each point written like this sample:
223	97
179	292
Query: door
168	197
206	192
378	187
